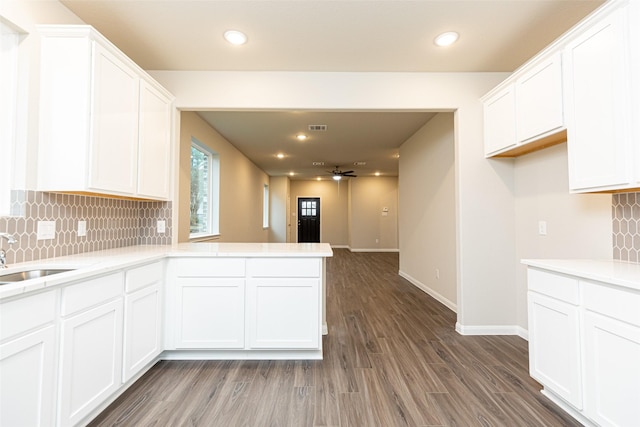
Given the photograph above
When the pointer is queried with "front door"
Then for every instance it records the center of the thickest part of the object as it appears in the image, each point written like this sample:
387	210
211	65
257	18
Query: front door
309	220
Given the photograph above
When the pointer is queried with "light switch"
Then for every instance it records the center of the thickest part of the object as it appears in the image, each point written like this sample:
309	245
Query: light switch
161	226
542	228
82	228
46	230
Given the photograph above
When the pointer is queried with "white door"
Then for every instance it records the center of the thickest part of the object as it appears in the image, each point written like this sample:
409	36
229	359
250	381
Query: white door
142	330
27	378
554	346
283	313
612	366
154	150
210	313
114	145
598	105
91	361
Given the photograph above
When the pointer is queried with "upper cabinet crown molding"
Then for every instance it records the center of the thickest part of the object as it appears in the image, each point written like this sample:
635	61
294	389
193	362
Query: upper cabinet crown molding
105	124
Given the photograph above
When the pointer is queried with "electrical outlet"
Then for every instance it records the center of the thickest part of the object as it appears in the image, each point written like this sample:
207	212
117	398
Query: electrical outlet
46	230
161	226
82	228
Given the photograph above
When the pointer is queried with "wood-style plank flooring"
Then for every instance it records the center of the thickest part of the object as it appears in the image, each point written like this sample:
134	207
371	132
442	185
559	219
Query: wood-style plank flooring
392	358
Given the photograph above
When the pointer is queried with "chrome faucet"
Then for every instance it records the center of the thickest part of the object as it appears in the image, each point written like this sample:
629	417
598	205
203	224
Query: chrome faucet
3	255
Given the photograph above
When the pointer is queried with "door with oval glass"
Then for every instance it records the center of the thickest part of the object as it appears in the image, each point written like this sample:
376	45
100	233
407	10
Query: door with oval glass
309	220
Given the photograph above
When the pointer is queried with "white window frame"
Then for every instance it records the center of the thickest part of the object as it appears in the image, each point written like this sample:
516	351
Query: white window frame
213	205
265	206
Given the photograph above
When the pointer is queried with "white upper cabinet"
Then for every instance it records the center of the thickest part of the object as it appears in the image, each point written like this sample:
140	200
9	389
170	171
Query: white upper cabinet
525	113
500	121
599	108
105	125
539	109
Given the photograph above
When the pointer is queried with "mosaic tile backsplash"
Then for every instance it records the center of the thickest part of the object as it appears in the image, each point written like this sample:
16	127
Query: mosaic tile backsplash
111	223
626	227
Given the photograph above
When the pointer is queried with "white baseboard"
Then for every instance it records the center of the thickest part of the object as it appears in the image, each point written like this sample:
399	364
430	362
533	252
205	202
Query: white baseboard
325	329
427	290
492	330
373	250
339	246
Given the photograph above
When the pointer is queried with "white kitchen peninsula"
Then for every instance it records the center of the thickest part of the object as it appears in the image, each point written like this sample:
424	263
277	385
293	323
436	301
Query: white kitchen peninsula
83	336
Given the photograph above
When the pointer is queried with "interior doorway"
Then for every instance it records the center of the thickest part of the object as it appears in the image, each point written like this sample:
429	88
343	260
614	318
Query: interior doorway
309	220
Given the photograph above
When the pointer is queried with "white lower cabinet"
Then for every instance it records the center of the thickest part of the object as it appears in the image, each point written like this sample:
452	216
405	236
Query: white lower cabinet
27	375
91	346
209	297
142	318
28	360
554	346
584	346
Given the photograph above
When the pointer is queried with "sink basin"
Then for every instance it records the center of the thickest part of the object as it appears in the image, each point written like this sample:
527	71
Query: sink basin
29	274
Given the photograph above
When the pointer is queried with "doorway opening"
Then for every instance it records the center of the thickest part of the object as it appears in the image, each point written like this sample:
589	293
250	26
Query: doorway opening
309	220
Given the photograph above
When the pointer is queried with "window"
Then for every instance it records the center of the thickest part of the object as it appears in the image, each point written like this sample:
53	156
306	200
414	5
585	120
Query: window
265	207
204	200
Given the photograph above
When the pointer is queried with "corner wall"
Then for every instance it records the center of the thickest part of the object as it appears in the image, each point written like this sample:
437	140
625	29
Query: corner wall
279	221
241	185
427	202
578	225
371	228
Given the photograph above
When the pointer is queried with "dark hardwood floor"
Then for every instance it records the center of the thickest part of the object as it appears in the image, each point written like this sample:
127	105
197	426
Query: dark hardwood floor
392	358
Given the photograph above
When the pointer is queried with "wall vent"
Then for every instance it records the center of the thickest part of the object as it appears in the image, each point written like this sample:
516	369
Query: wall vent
317	128
318	163
359	163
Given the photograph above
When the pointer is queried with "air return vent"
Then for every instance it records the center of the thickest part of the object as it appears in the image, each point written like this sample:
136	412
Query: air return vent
318	163
359	163
317	128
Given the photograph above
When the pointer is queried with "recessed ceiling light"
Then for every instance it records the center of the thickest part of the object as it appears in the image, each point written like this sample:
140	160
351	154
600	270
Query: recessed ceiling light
446	39
377	174
235	37
291	173
318	179
301	137
280	156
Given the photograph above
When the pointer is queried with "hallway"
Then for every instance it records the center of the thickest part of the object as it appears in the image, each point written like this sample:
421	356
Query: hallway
392	358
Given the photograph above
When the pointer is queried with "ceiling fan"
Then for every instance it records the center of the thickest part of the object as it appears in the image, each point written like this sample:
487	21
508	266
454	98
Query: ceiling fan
338	174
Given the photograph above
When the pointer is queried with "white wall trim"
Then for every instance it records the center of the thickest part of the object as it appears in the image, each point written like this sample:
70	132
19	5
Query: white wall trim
340	246
373	250
427	290
493	330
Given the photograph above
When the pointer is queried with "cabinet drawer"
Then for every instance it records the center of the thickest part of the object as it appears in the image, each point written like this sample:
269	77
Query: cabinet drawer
209	267
24	314
91	292
283	267
144	276
564	288
620	304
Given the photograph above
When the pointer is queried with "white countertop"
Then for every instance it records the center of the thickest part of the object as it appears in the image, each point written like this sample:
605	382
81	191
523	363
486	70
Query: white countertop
618	273
101	262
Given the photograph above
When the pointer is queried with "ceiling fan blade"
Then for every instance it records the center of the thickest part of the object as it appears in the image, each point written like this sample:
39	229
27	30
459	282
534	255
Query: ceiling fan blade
350	175
346	172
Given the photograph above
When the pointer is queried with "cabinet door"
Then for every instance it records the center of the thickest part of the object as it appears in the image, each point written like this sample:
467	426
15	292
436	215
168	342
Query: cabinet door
612	366
539	100
598	106
114	146
154	151
91	364
500	121
27	373
554	347
283	313
210	313
142	330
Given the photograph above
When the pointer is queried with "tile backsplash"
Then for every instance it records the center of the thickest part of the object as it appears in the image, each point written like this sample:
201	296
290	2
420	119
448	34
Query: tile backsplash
626	227
110	223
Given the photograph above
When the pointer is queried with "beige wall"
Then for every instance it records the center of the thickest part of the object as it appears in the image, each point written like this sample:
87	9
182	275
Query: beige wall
427	209
578	225
241	185
278	208
370	229
333	209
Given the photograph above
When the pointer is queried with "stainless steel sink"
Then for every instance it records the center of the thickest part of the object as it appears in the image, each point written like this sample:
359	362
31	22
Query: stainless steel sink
29	274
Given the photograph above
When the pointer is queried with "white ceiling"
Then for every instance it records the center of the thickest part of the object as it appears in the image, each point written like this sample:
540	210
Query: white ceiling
328	35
